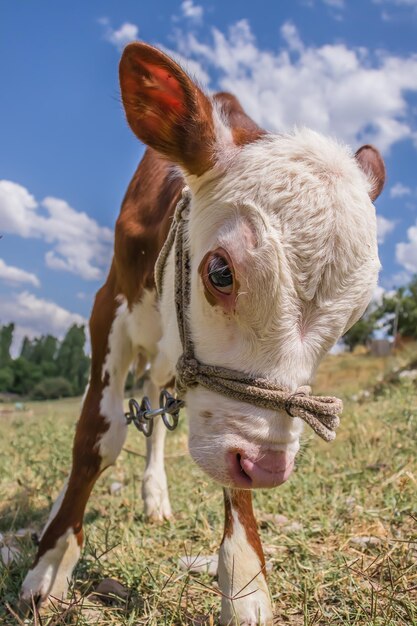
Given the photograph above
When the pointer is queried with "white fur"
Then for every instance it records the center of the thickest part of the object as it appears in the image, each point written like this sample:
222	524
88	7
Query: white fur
154	484
240	573
115	367
135	331
306	275
51	575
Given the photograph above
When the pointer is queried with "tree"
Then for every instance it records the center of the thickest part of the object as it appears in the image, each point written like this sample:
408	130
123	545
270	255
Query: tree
25	376
6	338
6	379
72	362
361	332
41	351
400	310
51	389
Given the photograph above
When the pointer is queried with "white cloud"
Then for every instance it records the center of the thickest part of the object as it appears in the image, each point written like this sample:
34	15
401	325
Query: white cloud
290	34
335	4
121	36
342	91
192	11
377	296
78	244
13	274
35	316
398	3
384	227
399	191
406	252
397	280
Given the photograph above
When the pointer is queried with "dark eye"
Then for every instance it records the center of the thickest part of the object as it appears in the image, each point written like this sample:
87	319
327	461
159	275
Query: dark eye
219	274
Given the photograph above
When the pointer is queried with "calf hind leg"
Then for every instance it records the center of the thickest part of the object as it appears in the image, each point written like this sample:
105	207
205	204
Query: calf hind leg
154	487
99	437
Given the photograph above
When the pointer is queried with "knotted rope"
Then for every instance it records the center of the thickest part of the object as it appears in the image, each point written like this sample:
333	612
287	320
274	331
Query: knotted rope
321	413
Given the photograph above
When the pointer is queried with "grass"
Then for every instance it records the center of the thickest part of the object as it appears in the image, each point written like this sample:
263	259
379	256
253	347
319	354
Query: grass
347	554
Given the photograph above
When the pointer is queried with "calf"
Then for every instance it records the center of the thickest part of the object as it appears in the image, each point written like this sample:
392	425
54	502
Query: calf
280	234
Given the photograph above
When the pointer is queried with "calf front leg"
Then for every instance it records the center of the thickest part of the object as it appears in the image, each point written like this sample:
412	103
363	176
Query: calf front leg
242	578
154	487
99	436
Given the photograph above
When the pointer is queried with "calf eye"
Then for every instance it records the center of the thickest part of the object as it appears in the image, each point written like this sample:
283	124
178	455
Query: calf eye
219	274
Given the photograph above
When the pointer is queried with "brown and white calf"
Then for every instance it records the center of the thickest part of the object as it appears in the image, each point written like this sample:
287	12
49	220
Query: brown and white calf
282	241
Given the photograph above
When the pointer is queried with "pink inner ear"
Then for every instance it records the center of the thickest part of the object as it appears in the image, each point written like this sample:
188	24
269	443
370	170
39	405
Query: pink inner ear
166	90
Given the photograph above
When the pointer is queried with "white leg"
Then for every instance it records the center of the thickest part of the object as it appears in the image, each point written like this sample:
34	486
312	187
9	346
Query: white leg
242	565
99	437
154	487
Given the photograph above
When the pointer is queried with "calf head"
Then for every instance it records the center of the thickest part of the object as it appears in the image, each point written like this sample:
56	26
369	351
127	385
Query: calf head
283	250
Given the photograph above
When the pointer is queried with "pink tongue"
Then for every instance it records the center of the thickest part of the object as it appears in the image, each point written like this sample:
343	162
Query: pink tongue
271	470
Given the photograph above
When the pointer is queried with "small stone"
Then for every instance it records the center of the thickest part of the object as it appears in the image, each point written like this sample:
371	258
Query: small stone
199	564
109	591
365	541
115	488
293	527
274	518
408	374
24	532
8	555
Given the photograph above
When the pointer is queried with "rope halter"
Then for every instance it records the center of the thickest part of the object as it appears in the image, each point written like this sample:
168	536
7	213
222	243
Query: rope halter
321	413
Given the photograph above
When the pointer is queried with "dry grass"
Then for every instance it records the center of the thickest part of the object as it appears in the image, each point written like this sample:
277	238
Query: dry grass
347	555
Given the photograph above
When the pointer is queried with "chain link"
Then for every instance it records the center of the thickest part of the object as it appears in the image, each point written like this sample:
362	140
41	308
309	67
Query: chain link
142	415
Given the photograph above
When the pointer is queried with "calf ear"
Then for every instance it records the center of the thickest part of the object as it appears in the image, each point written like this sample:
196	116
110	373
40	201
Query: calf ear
372	164
165	108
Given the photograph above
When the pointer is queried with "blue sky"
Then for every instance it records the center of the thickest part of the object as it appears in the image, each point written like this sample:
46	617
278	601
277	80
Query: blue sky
346	68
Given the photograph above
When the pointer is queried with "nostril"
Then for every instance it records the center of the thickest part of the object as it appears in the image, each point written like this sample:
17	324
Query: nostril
239	464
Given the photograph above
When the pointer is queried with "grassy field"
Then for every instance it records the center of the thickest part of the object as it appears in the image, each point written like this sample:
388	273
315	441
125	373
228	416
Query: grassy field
345	552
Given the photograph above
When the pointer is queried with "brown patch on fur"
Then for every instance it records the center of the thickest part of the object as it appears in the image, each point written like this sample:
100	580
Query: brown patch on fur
206	414
165	108
244	129
143	224
240	500
170	384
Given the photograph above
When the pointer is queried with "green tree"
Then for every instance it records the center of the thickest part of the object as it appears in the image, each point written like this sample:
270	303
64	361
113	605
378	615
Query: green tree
25	376
360	332
400	310
26	349
6	379
41	351
52	388
72	362
6	338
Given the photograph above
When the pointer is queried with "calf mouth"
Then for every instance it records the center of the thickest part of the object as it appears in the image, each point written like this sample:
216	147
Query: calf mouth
267	472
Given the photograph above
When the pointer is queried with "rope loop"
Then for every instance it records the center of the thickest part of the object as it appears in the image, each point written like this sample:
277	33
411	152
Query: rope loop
187	372
290	401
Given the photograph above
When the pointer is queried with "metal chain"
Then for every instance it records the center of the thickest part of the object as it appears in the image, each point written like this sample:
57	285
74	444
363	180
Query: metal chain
142	415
